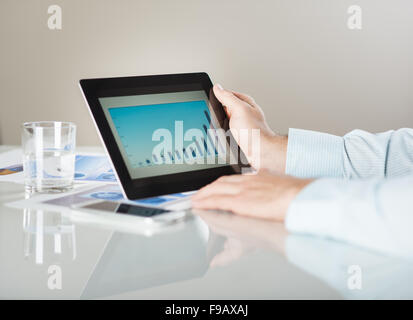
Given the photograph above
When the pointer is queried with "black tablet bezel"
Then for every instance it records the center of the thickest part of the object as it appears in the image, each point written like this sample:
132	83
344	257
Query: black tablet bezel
93	89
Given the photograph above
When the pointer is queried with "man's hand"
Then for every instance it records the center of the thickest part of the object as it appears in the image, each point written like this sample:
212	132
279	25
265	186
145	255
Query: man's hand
243	114
263	195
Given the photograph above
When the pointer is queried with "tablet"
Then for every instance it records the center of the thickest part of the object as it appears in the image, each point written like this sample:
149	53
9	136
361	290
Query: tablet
163	133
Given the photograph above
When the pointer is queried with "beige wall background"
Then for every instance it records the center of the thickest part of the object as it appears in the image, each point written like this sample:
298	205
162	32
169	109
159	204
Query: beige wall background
296	57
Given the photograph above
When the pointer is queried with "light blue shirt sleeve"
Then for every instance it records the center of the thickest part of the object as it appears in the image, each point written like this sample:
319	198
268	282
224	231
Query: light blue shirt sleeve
359	154
374	212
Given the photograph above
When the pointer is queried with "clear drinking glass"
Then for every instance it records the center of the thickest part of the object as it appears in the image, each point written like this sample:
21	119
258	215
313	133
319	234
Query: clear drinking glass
48	156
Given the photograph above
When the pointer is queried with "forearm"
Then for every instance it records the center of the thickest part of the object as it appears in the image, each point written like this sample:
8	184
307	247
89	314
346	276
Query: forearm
359	154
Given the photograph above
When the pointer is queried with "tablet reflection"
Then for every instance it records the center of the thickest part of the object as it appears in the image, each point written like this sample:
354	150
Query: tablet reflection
133	262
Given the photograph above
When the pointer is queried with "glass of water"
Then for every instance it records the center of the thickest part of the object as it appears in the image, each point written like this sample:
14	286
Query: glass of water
48	156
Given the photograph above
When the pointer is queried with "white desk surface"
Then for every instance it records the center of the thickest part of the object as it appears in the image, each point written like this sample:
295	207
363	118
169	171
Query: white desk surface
218	256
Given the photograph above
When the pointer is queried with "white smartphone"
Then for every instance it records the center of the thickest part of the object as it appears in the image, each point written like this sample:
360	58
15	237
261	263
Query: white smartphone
148	216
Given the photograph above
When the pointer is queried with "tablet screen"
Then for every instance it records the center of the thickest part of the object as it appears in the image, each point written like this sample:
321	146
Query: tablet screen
166	133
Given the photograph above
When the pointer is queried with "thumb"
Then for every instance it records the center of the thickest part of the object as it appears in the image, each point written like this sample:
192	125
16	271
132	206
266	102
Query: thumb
228	99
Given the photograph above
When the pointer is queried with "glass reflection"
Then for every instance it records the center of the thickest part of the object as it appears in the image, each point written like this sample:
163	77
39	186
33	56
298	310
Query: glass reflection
133	261
40	226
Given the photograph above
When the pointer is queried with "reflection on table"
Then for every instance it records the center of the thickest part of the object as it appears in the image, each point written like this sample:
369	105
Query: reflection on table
42	226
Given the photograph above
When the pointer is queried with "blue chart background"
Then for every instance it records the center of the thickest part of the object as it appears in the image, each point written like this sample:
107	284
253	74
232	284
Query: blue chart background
136	124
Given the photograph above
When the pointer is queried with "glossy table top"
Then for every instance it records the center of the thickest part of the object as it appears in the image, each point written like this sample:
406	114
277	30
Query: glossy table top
212	255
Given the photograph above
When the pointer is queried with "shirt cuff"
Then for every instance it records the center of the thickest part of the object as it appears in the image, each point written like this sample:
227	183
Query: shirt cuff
312	154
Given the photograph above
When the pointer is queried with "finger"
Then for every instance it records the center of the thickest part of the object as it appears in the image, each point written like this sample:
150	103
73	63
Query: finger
227	111
228	225
221	259
225	184
244	97
218	202
248	99
217	189
232	251
229	100
231	178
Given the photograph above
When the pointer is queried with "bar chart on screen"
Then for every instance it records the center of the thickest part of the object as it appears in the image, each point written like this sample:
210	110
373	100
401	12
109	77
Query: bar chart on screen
136	125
